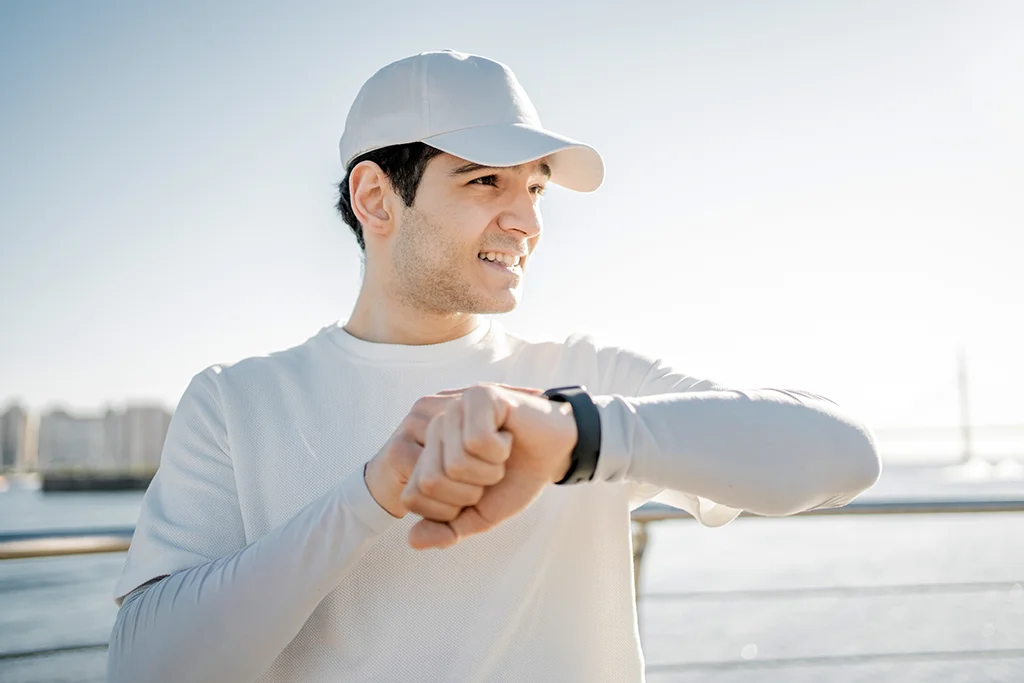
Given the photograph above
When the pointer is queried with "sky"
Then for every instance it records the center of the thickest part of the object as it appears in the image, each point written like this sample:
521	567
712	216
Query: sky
825	196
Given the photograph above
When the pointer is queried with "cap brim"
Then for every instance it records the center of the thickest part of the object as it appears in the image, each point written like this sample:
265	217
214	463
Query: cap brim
574	165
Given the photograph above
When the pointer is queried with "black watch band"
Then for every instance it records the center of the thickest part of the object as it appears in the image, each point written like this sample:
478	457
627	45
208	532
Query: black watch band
588	428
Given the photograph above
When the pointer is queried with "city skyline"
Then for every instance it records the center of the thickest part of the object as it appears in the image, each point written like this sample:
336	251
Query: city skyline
129	439
65	406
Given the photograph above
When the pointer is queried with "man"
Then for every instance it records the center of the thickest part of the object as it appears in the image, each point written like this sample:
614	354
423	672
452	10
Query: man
396	499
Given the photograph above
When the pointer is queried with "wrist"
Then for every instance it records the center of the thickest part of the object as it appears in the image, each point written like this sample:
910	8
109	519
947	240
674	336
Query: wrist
384	489
570	435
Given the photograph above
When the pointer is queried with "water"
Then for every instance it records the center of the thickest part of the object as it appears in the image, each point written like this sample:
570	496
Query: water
974	565
30	510
64	601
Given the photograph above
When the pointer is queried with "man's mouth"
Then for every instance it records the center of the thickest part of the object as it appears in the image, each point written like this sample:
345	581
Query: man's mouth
502	263
506	260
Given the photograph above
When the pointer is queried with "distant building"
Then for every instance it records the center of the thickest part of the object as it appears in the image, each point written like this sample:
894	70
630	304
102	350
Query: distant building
121	441
14	438
143	430
112	439
68	442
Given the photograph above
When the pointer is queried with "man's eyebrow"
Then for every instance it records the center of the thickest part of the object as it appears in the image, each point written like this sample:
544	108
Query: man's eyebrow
472	167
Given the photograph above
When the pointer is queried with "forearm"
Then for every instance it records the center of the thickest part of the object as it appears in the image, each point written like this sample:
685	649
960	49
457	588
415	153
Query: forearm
227	620
769	451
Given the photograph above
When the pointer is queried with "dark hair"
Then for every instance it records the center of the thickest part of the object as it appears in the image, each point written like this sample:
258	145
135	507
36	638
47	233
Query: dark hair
402	164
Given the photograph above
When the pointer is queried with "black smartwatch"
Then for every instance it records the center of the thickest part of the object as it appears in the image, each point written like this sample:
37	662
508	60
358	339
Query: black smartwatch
588	429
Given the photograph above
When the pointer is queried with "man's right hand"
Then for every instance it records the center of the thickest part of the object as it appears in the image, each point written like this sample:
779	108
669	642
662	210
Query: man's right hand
388	472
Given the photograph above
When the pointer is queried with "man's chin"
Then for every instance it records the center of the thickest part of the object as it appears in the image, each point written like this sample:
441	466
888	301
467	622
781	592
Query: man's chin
506	302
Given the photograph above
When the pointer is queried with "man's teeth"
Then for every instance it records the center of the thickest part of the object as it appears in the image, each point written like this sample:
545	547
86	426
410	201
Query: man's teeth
509	261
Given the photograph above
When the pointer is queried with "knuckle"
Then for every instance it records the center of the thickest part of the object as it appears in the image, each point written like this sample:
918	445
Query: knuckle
478	442
412	427
427	407
458	468
430	486
479	391
452	414
498	473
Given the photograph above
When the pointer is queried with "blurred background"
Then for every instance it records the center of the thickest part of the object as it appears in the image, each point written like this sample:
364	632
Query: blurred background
826	196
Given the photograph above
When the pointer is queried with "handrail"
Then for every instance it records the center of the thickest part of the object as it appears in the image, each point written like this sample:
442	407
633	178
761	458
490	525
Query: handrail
20	545
653	512
55	543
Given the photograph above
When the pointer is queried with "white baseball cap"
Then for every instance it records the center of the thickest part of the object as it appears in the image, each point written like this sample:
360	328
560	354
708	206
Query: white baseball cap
468	106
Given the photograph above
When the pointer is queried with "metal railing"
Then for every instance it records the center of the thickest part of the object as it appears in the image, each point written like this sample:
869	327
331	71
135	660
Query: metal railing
55	543
19	545
656	512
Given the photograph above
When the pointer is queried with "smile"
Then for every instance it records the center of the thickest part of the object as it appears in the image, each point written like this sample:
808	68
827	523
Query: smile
509	265
497	257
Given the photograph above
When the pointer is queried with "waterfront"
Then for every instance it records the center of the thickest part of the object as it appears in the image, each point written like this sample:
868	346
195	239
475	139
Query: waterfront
910	597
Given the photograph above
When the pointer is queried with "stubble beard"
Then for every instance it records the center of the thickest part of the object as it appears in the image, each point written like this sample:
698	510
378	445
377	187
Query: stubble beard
428	268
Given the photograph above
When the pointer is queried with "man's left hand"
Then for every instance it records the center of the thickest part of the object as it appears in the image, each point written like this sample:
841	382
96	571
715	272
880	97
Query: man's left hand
498	445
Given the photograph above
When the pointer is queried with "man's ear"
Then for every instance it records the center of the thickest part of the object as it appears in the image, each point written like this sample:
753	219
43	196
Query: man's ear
371	197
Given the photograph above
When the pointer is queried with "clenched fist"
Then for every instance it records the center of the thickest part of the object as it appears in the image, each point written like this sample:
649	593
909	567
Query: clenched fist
388	472
486	456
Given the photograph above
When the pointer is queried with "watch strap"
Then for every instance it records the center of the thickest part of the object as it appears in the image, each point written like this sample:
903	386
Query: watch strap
583	461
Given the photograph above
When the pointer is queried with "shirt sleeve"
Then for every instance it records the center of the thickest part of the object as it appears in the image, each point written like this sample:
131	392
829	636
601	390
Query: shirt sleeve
651	378
715	452
251	603
190	512
249	599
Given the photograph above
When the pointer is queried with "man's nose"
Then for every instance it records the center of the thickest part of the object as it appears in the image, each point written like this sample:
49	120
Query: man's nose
522	215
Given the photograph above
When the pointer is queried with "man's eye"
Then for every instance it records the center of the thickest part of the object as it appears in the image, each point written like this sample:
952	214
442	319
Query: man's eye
485	180
538	190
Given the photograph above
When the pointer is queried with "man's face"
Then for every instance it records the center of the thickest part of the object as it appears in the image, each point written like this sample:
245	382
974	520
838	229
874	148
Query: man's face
462	214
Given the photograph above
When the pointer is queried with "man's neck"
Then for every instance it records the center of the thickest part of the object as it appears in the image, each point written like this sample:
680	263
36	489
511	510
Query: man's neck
389	324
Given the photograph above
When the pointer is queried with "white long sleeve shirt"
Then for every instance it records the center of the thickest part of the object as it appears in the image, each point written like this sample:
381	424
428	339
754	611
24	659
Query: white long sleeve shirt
280	567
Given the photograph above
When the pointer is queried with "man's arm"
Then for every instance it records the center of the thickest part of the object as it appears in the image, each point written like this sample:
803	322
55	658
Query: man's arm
769	451
228	619
224	609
